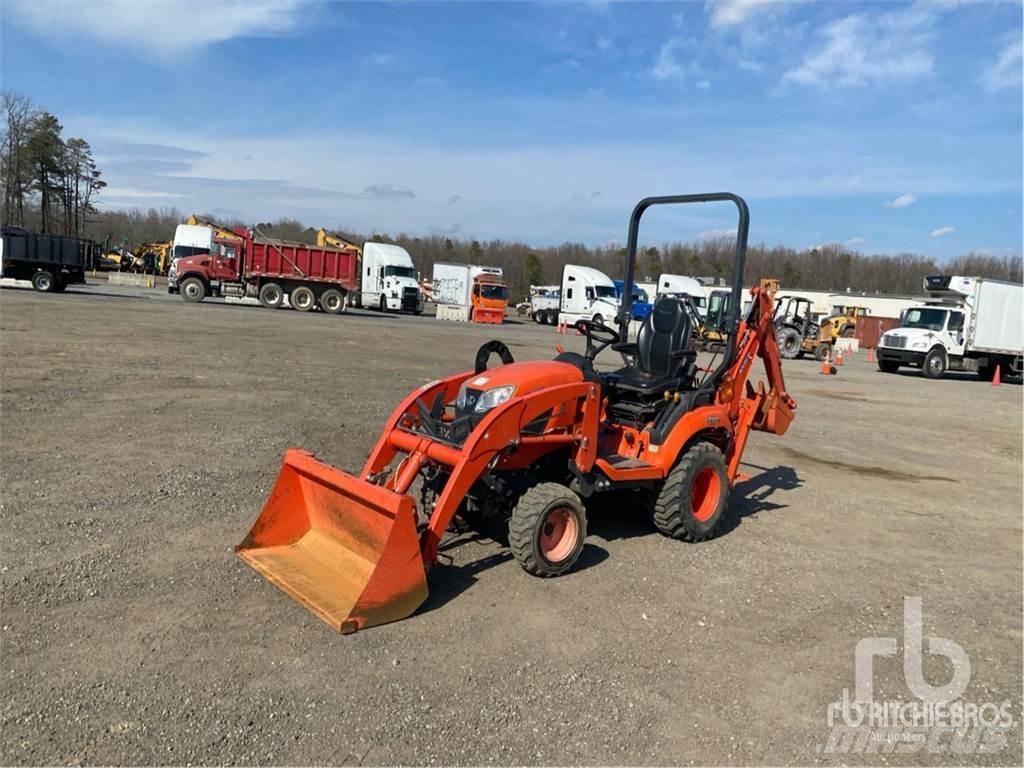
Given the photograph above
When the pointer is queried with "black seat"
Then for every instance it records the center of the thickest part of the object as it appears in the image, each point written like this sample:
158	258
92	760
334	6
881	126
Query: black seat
662	354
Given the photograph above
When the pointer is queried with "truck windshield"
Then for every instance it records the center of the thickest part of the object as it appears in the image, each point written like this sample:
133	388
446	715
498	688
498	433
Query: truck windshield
932	319
183	251
606	292
393	271
489	291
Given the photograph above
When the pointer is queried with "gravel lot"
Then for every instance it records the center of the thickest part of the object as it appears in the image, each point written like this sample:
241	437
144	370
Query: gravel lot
140	436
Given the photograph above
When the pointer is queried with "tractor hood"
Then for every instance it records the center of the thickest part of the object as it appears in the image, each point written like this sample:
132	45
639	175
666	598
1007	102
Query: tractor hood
526	377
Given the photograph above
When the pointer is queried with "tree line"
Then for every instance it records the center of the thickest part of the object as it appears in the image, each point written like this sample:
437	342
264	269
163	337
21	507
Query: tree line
50	185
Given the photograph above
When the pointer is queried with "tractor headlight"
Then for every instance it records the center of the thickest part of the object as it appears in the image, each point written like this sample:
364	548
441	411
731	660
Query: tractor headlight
492	398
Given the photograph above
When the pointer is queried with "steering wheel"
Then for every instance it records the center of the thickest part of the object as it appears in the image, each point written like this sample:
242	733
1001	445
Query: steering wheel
599	337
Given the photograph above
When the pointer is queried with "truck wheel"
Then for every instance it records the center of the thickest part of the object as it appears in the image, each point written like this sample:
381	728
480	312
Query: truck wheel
44	282
598	319
271	295
847	332
693	499
193	289
934	365
821	351
788	340
547	529
332	302
986	372
60	286
888	366
302	298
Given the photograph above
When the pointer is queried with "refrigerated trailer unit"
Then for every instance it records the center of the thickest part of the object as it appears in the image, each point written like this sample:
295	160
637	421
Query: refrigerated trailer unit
969	324
51	262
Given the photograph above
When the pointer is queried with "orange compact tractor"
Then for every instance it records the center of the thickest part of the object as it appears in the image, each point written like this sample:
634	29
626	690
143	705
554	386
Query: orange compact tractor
529	441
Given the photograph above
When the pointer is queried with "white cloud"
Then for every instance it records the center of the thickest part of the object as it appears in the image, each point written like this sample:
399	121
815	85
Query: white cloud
667	67
863	49
1005	72
727	13
704	84
902	201
133	194
603	43
943	231
750	65
855	241
158	26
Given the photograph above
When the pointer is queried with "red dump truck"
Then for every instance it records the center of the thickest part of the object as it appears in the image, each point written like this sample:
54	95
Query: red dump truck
269	270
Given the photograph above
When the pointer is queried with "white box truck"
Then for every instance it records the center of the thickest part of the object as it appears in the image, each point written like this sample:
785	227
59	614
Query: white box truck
388	280
969	324
587	294
468	293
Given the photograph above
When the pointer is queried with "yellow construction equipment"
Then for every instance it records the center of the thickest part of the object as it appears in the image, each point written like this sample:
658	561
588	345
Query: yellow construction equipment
325	239
844	323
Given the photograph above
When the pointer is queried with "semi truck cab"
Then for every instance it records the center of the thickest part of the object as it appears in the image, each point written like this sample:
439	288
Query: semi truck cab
490	297
587	294
931	330
389	280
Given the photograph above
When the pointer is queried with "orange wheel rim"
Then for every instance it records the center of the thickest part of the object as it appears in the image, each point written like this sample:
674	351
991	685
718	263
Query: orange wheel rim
705	492
558	533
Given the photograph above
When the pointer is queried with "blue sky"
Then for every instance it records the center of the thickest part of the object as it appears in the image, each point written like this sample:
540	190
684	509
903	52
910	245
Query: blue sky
885	126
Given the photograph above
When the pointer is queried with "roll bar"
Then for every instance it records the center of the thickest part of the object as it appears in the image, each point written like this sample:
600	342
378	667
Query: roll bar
732	321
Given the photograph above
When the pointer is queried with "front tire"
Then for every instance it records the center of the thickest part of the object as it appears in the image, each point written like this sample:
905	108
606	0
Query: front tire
934	365
693	499
271	295
383	304
193	290
547	529
821	352
888	366
44	282
302	298
332	302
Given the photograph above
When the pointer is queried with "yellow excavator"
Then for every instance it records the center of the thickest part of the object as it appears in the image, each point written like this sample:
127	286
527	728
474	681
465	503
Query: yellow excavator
218	229
325	239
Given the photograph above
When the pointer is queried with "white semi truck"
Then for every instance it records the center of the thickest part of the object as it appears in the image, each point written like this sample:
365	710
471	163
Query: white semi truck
675	286
968	324
388	280
587	294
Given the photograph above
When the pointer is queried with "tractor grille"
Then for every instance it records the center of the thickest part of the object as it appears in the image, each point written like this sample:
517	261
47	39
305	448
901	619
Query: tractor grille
894	340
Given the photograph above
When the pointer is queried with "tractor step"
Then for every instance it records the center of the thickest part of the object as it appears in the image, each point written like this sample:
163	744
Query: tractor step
626	462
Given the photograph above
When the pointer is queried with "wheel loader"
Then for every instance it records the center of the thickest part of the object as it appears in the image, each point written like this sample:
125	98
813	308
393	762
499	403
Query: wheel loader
530	441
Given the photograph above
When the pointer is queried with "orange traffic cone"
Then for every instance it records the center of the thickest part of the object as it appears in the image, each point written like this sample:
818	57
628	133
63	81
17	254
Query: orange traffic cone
995	378
561	327
871	354
826	366
839	357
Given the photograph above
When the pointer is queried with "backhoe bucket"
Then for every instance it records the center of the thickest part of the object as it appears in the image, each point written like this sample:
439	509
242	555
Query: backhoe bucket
344	548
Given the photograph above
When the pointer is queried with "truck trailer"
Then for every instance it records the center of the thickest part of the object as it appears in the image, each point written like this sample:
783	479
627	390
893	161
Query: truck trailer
269	270
51	262
969	324
468	293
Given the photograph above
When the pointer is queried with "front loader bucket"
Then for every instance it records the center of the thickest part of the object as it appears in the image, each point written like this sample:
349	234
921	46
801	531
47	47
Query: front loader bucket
344	548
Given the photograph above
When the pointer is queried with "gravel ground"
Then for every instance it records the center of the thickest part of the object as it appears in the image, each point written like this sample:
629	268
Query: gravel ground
141	435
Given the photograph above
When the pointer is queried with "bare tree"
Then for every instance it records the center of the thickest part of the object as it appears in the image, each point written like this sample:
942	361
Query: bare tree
18	115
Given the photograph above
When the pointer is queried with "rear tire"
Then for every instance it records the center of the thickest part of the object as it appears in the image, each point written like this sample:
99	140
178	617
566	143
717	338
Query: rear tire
193	290
934	365
820	352
693	499
332	302
44	282
888	366
847	332
302	298
547	529
788	340
271	295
